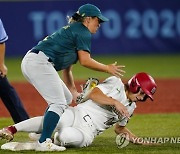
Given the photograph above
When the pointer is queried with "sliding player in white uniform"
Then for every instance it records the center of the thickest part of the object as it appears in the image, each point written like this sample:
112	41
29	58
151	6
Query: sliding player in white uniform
81	124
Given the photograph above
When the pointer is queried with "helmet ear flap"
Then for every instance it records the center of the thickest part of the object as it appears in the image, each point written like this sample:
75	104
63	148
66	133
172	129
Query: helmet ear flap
133	85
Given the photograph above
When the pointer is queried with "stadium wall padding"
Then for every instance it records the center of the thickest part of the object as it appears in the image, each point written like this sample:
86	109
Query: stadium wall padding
135	26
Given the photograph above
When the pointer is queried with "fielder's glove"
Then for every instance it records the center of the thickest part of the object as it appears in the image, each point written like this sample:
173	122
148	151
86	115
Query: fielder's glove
90	84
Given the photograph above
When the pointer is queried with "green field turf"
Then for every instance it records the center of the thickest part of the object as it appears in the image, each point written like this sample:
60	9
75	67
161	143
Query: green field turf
156	125
152	125
159	66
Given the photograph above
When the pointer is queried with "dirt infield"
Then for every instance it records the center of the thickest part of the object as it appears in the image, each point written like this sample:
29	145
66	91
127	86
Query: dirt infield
167	99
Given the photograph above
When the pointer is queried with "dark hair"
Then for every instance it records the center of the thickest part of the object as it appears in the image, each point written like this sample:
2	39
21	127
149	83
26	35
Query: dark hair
127	88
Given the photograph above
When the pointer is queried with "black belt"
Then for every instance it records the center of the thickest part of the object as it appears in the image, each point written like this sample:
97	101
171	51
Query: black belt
37	51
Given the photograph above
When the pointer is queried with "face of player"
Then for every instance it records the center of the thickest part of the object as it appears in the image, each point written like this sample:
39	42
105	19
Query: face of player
135	97
92	23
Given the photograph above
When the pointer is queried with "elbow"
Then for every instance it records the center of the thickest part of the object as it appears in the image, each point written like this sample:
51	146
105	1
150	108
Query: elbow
84	57
83	63
92	95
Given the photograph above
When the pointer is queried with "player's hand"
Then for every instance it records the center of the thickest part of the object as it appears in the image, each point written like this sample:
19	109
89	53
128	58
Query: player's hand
3	70
115	69
122	109
75	94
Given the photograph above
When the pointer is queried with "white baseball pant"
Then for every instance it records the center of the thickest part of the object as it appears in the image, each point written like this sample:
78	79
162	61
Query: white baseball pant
42	75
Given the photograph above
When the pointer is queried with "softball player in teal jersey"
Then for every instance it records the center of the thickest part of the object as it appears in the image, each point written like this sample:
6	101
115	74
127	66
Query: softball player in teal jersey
60	51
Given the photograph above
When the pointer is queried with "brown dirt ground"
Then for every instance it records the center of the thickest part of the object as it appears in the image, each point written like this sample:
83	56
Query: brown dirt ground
166	99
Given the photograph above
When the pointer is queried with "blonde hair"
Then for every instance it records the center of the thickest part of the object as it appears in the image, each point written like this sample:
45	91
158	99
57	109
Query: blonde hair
76	17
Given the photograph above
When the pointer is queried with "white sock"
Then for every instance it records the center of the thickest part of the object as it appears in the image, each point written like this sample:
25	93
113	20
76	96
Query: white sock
30	125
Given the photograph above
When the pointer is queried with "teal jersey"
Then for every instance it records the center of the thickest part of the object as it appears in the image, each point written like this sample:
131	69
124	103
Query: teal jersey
62	46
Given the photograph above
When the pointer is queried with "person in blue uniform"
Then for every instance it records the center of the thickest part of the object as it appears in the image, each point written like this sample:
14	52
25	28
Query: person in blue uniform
7	93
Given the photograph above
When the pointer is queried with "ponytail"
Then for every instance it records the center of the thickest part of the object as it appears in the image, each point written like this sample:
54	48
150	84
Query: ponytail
76	17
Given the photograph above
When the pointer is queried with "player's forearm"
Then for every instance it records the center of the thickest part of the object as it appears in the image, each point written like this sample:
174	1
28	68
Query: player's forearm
99	97
2	53
86	61
93	64
68	79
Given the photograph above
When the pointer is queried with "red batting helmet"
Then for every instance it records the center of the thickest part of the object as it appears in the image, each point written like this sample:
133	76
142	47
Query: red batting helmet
145	82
